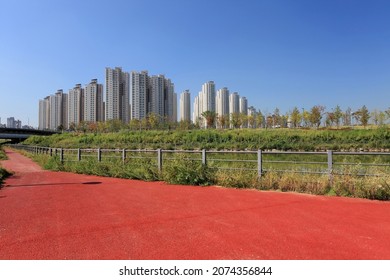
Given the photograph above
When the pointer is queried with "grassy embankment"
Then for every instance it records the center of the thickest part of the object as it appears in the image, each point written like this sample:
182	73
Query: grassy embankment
3	173
245	139
190	171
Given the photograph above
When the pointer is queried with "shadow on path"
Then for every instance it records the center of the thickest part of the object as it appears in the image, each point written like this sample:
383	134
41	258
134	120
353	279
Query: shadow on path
52	184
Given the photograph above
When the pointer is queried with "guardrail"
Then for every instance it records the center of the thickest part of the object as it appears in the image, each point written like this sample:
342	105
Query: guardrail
329	162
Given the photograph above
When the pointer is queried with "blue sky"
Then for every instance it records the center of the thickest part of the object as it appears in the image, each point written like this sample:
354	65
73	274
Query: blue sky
277	53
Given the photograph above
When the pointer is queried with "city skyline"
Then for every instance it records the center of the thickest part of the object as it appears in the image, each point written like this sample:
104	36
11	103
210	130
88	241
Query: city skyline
132	95
275	53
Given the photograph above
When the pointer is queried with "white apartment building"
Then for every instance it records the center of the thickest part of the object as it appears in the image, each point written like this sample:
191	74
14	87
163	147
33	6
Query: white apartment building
93	102
44	113
222	102
185	106
208	96
139	90
157	95
170	101
243	105
234	103
58	110
117	94
76	105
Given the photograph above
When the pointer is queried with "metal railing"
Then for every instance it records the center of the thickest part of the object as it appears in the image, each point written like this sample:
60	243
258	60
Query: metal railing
328	163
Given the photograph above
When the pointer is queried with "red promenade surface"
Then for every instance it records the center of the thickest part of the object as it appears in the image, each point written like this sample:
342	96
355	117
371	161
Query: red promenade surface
56	215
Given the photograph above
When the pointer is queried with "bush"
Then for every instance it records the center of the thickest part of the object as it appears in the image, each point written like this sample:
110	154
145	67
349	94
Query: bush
237	179
188	172
3	175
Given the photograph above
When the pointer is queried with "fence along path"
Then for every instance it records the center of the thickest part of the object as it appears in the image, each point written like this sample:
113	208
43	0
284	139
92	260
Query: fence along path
331	163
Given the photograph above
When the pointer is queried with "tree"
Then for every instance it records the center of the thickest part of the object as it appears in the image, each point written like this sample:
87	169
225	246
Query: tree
259	119
337	115
296	117
364	116
251	121
316	115
222	121
235	120
153	120
306	118
135	124
277	118
243	120
269	122
347	117
210	117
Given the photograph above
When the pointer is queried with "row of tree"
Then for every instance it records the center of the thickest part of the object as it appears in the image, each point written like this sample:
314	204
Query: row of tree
315	117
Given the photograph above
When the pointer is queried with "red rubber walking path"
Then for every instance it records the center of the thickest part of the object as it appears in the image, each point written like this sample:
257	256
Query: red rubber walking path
58	215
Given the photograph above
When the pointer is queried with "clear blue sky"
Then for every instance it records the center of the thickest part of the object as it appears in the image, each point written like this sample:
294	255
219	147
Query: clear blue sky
277	53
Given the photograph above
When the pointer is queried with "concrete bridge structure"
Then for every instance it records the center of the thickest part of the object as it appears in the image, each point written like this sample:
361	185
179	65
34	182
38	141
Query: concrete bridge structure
16	135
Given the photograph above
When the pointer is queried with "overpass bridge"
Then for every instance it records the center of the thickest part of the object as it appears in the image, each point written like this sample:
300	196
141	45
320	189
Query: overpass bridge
16	135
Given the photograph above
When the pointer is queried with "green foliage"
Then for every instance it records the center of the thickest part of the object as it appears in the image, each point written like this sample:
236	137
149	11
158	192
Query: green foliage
243	139
3	175
188	172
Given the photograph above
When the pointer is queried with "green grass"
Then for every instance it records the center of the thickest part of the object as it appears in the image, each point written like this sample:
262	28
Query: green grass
3	173
238	139
189	171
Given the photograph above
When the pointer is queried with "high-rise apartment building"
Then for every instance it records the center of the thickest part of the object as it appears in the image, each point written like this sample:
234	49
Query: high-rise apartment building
222	102
170	101
185	106
139	90
234	103
76	105
117	94
93	102
12	123
208	93
158	95
198	110
58	110
243	105
44	113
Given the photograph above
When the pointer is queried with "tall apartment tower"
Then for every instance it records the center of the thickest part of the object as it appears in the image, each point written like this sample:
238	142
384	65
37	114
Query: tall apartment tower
198	110
222	102
243	105
208	96
44	113
158	95
139	90
234	103
185	107
170	101
76	105
58	110
117	94
93	102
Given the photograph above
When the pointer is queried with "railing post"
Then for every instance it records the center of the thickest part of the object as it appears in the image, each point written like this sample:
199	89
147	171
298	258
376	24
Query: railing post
61	155
51	152
330	166
78	154
99	155
259	163
123	155
204	159
159	160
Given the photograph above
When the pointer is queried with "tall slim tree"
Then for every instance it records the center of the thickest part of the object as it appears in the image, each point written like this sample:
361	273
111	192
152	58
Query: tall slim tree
296	117
337	113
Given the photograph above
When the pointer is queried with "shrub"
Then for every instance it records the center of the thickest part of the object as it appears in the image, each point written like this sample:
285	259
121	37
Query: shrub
188	172
237	179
